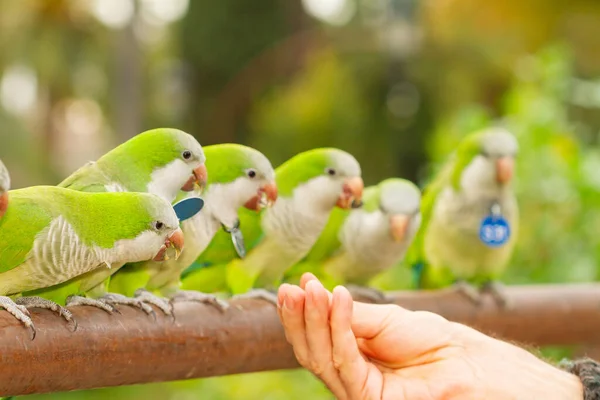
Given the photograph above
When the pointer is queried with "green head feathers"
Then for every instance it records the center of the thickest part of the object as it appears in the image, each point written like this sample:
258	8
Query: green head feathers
155	149
312	164
228	162
490	142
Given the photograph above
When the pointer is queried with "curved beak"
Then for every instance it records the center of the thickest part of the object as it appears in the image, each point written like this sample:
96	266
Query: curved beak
265	197
504	169
3	203
398	226
175	241
197	180
352	191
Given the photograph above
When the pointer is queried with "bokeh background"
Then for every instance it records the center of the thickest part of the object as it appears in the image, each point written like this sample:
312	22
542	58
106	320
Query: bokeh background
395	82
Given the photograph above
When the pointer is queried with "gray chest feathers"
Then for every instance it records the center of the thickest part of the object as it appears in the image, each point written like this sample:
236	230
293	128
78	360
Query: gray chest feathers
464	212
295	227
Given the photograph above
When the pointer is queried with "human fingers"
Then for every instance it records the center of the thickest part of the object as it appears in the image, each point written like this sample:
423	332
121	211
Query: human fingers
318	336
307	277
359	379
291	313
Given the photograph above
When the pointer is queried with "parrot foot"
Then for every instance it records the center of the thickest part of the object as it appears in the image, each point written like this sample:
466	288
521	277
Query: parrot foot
149	298
38	302
118	299
367	293
86	301
19	312
205	298
468	291
262	294
496	290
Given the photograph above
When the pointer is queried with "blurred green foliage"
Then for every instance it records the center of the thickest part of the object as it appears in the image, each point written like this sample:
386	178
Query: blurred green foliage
396	86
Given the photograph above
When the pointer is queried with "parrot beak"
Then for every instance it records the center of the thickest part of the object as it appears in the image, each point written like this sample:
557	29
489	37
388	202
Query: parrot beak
3	203
176	241
265	197
351	193
197	180
398	226
504	169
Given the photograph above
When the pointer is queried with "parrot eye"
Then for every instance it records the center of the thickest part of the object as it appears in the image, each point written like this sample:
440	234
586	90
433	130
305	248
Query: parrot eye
251	173
330	171
158	225
186	154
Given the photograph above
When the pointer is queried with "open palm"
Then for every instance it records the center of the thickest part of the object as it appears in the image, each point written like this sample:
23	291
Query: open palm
368	351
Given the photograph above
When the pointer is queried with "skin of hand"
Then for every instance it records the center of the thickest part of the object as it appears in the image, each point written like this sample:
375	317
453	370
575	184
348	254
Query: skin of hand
374	351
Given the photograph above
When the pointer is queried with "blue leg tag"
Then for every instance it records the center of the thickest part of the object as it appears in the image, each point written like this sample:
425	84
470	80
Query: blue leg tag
187	208
494	231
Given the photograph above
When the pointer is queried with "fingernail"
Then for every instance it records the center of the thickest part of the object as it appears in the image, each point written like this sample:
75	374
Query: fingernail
288	303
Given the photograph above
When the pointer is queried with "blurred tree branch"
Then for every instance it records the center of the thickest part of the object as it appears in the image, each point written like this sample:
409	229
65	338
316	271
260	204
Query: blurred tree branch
112	350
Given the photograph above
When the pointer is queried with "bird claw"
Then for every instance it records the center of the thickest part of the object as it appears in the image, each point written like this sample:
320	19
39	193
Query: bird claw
38	302
468	291
205	298
86	301
147	297
496	290
19	312
261	294
115	298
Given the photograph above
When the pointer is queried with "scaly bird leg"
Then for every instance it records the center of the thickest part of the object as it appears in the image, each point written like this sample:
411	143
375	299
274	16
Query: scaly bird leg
496	290
468	291
149	298
19	312
38	302
86	301
367	293
116	298
262	294
205	298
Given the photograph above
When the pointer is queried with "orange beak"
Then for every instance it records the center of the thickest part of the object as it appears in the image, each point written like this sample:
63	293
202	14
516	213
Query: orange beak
398	226
176	241
3	203
351	193
504	169
265	197
199	177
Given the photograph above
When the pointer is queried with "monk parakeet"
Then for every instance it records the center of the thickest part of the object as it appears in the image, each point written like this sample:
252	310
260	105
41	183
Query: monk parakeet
470	217
356	245
4	188
239	176
310	185
50	235
159	161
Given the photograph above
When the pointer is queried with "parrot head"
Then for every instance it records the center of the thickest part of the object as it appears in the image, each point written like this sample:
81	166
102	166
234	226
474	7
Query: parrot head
332	176
168	160
163	232
400	202
244	174
488	158
4	188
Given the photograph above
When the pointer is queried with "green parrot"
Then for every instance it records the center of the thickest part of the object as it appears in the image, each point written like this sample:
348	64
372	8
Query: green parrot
159	161
470	218
356	245
50	235
4	188
239	176
310	185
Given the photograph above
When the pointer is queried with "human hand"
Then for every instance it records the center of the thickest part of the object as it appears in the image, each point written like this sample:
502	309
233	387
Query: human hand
374	351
